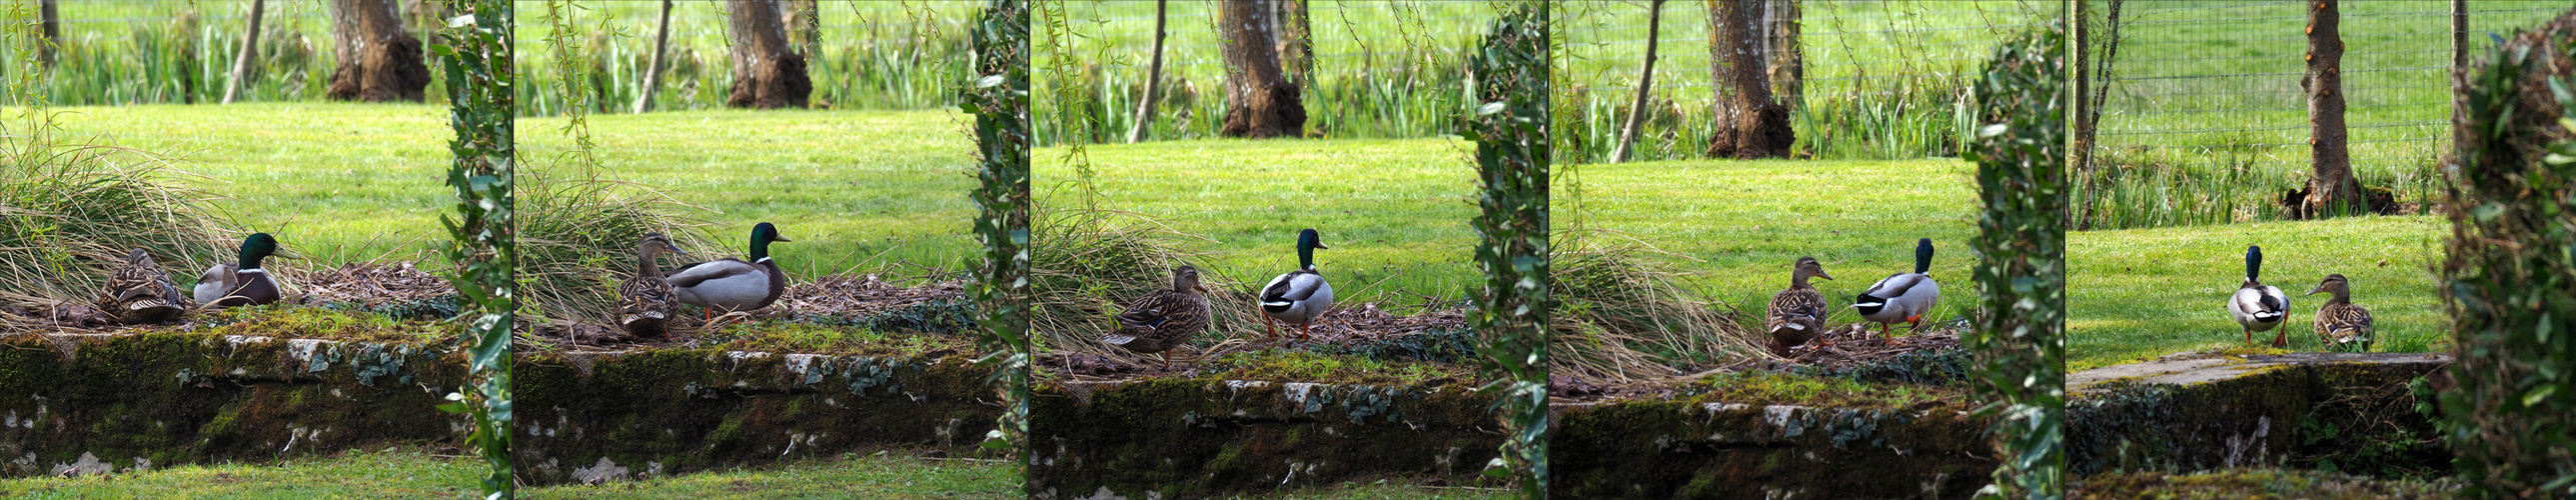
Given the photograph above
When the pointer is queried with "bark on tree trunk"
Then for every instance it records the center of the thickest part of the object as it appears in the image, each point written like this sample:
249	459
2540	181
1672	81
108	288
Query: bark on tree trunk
661	53
379	60
1645	84
1260	102
766	73
49	18
1296	43
2331	188
248	55
1752	125
1788	59
1153	79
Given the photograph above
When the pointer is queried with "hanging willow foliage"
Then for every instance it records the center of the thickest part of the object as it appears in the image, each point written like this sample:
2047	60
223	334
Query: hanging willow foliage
2019	341
1509	126
998	97
2510	279
474	54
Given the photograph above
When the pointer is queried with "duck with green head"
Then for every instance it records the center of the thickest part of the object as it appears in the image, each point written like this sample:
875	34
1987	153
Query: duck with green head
733	284
244	282
141	293
1298	297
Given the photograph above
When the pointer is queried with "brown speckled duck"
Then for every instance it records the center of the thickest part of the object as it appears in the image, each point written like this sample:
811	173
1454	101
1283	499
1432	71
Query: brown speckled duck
140	293
644	302
1163	319
1798	313
2341	325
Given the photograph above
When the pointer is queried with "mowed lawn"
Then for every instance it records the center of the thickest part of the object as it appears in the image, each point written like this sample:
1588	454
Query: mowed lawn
338	182
1394	212
390	473
846	186
1738	227
2143	293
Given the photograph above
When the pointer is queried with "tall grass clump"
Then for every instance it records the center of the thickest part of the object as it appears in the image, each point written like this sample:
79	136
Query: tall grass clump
2510	278
1627	316
1085	263
2223	184
578	241
115	53
68	213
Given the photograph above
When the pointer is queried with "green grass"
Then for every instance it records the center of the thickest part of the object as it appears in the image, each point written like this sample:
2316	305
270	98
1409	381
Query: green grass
390	473
2180	151
882	475
131	52
1394	212
1739	225
2141	293
857	191
337	182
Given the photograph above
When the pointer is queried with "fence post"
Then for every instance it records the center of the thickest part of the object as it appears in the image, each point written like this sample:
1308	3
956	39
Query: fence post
2331	188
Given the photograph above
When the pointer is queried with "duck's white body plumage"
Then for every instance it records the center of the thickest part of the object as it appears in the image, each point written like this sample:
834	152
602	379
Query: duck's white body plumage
726	284
1900	298
2258	306
1297	297
217	281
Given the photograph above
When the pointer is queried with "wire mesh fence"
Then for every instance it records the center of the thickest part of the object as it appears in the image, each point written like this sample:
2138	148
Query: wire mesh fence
860	55
2204	118
1386	69
156	51
1862	79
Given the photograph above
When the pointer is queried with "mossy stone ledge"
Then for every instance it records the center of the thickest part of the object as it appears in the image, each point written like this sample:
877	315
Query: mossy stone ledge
2346	412
95	403
1705	447
600	416
1181	438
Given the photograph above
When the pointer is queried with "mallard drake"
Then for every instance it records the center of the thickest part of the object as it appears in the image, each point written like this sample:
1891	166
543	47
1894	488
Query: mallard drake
1798	313
2256	306
732	284
141	293
1298	297
2341	325
644	302
244	282
1902	297
1155	323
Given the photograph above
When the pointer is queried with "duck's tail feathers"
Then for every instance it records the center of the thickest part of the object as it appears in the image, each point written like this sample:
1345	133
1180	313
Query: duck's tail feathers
1117	339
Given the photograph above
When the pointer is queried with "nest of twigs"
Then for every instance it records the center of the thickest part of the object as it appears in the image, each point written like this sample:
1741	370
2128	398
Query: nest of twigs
400	289
865	300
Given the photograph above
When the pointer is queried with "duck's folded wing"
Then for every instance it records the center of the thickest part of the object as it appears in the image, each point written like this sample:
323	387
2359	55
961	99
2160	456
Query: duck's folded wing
710	270
1894	286
1292	287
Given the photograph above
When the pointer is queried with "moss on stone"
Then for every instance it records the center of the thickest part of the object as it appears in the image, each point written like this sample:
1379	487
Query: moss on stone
1204	436
2256	484
1711	446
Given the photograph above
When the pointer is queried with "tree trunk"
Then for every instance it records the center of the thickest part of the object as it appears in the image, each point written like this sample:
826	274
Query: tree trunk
2080	155
661	53
1296	43
1751	124
1645	84
2332	190
379	60
1153	79
249	54
1788	59
49	20
1259	100
766	73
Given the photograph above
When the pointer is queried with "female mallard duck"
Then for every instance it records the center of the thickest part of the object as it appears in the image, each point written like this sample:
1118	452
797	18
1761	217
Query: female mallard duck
1798	313
141	293
243	283
644	302
1301	296
732	284
2341	326
1902	297
2256	306
1161	320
